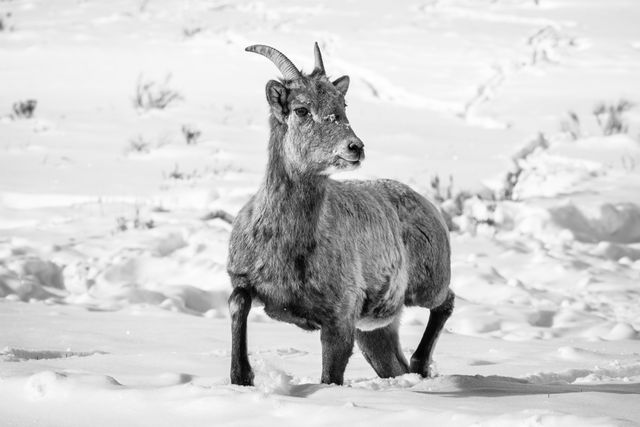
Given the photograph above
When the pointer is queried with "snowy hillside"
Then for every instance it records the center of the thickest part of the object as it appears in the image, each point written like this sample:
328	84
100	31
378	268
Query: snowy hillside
520	118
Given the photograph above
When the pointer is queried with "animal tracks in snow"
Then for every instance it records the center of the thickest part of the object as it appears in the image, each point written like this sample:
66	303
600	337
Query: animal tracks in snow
22	355
282	352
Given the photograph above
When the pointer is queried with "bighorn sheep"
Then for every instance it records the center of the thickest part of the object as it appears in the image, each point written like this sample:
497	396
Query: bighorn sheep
340	256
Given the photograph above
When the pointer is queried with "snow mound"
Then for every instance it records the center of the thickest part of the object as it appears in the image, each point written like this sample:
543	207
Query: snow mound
612	372
616	223
272	380
54	385
177	269
30	278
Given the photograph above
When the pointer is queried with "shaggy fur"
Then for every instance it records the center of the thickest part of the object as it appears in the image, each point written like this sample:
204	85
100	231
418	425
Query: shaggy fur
343	257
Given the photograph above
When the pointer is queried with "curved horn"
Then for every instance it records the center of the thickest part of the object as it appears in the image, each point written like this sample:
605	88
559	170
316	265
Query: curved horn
284	64
318	56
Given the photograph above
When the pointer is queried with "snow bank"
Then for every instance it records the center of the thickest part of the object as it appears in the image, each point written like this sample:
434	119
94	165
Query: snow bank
179	270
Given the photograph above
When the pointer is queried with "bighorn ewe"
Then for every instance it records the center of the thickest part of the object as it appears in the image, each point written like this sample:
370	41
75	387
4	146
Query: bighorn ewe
340	256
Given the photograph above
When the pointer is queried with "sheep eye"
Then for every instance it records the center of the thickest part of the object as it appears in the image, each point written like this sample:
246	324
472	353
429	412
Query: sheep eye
301	112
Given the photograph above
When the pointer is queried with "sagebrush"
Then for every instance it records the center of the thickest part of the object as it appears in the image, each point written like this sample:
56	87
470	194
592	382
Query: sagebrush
153	95
24	109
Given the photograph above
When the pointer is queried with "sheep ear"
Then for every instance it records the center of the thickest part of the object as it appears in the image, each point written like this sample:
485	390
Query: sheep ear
277	99
342	84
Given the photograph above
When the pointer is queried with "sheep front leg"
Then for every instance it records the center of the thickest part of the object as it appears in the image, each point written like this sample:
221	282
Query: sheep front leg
337	346
239	306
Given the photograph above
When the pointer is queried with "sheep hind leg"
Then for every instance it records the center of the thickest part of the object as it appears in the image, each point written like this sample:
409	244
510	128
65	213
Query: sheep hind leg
381	348
421	358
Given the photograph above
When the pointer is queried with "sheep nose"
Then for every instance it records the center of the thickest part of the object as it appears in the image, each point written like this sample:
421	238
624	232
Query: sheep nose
356	147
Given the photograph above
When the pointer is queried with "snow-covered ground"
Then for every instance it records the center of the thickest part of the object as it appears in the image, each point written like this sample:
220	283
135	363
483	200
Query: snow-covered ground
113	288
